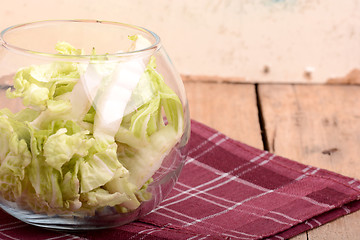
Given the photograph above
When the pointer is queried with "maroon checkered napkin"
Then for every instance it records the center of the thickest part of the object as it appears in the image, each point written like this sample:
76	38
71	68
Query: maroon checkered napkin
228	190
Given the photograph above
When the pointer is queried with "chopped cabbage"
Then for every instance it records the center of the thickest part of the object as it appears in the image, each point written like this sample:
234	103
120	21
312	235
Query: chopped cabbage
89	137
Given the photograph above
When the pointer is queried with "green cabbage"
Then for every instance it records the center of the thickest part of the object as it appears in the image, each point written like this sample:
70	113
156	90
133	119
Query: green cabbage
88	137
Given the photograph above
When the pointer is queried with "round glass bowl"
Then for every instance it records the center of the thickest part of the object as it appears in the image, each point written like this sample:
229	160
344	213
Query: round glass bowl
94	123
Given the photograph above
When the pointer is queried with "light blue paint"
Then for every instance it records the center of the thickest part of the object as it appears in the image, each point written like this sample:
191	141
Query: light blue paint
280	4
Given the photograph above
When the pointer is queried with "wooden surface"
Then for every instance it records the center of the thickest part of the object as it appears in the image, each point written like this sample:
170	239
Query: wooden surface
317	125
230	108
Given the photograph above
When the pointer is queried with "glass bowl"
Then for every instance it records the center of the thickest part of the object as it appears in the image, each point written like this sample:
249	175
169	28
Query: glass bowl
94	123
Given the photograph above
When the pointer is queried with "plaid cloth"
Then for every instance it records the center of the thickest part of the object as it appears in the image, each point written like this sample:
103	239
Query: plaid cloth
228	190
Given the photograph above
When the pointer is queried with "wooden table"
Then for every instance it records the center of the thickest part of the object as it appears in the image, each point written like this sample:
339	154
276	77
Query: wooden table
317	125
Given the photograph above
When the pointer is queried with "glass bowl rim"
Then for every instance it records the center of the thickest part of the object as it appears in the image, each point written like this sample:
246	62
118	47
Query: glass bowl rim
144	51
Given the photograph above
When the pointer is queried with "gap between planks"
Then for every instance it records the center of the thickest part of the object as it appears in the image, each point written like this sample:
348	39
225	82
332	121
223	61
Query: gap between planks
229	108
261	120
318	125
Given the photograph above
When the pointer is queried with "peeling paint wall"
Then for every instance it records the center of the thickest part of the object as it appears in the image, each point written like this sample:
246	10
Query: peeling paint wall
240	40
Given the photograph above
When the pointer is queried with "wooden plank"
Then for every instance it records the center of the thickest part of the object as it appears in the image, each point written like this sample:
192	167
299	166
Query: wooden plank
319	126
302	236
345	228
229	108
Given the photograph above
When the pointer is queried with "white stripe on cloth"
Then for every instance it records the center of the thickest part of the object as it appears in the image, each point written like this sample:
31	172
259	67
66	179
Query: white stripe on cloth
241	238
223	175
207	150
352	181
318	223
305	171
309	224
193	237
64	235
310	200
150	232
11	223
8	226
8	236
205	228
194	219
347	211
226	210
307	198
141	232
204	142
307	168
233	202
237	204
147	231
205	237
277	236
232	178
235	178
240	210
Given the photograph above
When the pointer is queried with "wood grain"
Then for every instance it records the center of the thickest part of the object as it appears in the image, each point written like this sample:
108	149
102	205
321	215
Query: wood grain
320	126
229	108
302	236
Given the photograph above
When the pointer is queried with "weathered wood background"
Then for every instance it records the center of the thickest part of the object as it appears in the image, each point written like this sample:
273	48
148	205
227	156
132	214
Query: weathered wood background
236	40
